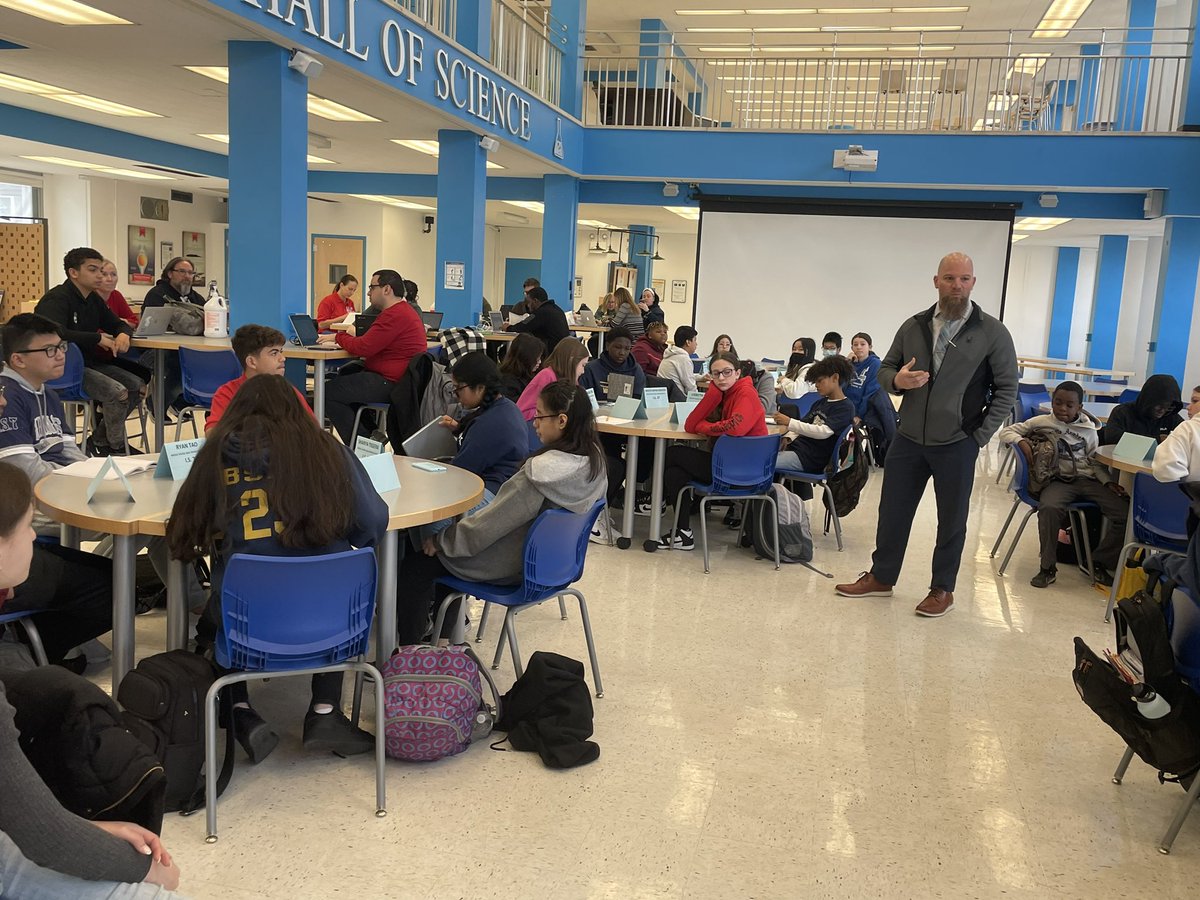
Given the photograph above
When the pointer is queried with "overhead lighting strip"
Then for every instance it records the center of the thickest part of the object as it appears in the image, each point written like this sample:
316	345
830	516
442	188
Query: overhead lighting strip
431	148
64	12
63	95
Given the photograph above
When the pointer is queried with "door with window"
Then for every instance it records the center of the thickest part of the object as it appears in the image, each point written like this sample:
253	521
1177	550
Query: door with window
334	256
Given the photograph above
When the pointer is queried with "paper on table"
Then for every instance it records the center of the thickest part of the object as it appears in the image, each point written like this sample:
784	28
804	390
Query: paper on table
612	420
90	467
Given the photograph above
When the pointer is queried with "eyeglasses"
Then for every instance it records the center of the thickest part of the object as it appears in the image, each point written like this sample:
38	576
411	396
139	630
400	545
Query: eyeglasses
184	271
52	351
549	416
721	373
371	287
460	387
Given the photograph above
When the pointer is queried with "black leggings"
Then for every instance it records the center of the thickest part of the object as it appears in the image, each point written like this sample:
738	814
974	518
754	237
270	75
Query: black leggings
684	464
416	594
74	590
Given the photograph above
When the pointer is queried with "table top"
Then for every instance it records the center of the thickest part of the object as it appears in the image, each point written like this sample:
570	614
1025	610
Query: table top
500	336
423	497
1105	388
199	342
658	425
1049	359
1069	366
1104	453
594	329
1098	410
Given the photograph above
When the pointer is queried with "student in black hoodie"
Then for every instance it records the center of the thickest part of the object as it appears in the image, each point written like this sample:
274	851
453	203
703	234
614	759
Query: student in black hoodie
1154	413
546	319
615	360
174	285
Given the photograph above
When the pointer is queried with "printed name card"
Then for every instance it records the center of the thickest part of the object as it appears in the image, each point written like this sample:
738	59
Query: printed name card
110	464
592	398
175	460
629	408
1135	447
382	471
695	396
680	412
365	447
656	398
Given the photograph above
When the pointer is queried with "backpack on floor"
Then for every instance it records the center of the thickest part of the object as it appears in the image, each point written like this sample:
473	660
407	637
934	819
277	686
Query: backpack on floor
795	533
433	702
163	702
847	481
1171	743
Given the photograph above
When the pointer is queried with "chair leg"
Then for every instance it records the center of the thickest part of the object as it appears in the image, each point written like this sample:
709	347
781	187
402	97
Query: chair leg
1002	464
775	527
366	669
1016	540
1112	594
1003	531
510	630
487	607
562	607
210	763
357	420
35	641
704	530
1185	806
1084	542
1123	765
591	644
833	516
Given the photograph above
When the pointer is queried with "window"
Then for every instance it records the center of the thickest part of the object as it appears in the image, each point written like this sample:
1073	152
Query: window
19	200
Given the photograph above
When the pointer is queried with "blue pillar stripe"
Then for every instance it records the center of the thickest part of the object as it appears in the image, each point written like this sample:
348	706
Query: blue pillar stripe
560	195
473	26
571	15
640	243
1106	304
1135	69
1089	87
1176	296
268	183
1059	341
461	198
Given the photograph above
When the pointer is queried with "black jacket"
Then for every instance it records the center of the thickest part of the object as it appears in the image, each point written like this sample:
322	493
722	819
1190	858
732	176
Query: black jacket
547	322
80	318
404	409
162	292
549	709
1137	417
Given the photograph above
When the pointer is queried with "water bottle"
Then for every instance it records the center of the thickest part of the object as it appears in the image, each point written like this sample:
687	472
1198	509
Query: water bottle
1150	704
216	313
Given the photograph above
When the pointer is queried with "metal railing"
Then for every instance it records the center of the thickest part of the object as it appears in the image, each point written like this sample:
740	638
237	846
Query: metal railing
1101	80
440	15
526	46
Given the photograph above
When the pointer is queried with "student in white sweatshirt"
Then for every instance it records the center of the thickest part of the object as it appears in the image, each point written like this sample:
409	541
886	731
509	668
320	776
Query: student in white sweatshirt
1078	439
1178	459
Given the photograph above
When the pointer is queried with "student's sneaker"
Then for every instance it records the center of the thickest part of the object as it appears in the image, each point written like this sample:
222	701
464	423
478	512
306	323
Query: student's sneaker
1104	577
681	540
642	501
602	531
257	738
95	448
333	732
1044	578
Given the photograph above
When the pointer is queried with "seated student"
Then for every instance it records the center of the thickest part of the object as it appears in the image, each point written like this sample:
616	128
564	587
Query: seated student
792	384
84	320
546	319
113	298
676	362
566	363
627	314
649	349
1177	459
814	436
175	285
730	407
615	360
567	473
1078	440
396	337
1154	413
652	310
1194	404
339	305
521	360
764	384
411	294
723	344
251	490
865	383
831	344
260	350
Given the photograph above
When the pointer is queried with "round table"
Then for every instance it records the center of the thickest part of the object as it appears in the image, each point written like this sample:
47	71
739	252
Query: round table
1104	453
423	497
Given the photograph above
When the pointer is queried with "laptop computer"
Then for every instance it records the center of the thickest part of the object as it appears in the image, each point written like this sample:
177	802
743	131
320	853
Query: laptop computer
363	321
432	320
497	321
434	441
585	317
306	330
154	321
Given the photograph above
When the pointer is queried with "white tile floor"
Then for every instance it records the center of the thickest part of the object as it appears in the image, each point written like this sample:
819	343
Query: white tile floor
759	738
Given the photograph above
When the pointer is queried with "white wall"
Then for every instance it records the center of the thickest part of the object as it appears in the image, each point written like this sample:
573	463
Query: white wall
65	202
1029	298
1085	297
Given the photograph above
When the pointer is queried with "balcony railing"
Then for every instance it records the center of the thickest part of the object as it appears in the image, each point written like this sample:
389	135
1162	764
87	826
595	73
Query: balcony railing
526	47
440	15
1101	80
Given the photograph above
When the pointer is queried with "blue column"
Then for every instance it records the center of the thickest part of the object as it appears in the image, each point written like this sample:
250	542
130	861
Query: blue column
1176	295
1190	120
1058	344
638	244
1089	84
1064	97
560	194
473	26
461	193
1106	302
652	51
1135	72
268	184
569	17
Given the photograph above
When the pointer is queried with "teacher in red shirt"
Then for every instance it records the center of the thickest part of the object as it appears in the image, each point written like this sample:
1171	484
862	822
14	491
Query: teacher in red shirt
338	305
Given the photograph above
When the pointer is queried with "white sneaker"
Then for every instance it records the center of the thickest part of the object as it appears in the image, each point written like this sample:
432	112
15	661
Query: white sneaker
602	531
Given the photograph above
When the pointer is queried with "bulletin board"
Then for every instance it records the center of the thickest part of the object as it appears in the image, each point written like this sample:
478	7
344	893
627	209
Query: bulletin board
22	264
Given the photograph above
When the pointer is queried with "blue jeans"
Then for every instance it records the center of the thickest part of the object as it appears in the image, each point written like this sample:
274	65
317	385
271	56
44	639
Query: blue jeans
22	880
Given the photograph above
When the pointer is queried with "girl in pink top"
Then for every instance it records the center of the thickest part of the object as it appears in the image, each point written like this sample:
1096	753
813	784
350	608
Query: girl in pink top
565	363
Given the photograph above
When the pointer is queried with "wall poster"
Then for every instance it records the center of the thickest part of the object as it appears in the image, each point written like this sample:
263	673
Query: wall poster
142	269
193	252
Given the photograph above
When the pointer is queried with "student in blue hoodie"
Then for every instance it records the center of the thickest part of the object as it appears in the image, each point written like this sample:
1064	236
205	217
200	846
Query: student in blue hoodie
615	360
872	406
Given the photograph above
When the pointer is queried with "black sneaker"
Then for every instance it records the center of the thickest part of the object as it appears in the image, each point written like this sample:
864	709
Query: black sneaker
1103	576
149	601
682	540
333	732
257	738
1044	578
95	448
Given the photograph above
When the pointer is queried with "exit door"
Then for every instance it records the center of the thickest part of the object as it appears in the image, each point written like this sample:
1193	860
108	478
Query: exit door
334	256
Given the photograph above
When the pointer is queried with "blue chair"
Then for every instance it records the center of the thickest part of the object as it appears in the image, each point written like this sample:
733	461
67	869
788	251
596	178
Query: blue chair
381	411
804	403
743	469
1075	512
1129	395
772	362
23	620
821	479
1158	513
69	388
555	551
1183	621
293	615
203	372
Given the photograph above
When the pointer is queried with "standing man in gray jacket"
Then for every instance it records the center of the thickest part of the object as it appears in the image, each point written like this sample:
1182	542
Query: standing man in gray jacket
956	369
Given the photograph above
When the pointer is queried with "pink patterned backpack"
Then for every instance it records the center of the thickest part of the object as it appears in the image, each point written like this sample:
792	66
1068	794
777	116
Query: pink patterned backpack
433	702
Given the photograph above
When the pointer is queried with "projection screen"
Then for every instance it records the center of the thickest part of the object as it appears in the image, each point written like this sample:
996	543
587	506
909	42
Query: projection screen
769	273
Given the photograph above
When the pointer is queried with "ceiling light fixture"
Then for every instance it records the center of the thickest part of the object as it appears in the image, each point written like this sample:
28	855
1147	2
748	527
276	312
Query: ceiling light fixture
336	112
216	73
98	167
594	223
1060	17
691	213
393	201
1038	223
431	148
531	205
63	95
64	12
26	86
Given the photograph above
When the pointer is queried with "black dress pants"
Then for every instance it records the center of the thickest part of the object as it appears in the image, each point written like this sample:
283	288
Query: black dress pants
73	590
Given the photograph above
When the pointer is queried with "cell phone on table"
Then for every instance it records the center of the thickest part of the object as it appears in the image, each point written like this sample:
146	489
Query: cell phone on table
429	467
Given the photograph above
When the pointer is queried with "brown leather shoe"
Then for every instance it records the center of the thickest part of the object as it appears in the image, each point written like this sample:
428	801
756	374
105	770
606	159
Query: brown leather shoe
938	603
866	586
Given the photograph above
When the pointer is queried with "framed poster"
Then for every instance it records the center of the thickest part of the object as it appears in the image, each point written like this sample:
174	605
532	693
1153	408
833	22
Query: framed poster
193	252
660	287
455	276
166	251
622	276
678	290
141	255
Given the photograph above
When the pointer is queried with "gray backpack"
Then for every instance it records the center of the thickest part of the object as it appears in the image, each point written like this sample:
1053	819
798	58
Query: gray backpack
795	533
186	318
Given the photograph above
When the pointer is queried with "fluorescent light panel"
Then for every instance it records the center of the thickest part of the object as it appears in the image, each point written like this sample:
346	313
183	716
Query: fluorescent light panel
392	201
317	106
431	148
826	11
1060	17
99	167
216	73
690	213
844	49
62	95
1039	223
64	12
595	223
531	205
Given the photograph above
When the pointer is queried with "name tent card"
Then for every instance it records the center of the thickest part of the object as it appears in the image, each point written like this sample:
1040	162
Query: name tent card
175	460
656	398
680	412
695	396
382	471
592	397
365	447
110	465
1135	447
629	408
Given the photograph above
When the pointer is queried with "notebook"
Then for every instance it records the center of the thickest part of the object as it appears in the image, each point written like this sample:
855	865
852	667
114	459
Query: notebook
306	330
619	386
434	441
154	321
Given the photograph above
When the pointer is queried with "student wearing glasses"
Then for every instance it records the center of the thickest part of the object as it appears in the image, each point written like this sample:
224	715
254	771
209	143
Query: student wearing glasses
730	407
174	285
85	320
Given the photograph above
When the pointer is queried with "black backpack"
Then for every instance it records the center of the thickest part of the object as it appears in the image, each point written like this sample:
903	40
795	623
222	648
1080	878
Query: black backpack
163	702
847	481
1170	744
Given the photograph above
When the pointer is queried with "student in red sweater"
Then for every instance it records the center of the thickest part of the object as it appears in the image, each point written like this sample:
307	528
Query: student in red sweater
260	351
730	407
649	348
338	305
397	335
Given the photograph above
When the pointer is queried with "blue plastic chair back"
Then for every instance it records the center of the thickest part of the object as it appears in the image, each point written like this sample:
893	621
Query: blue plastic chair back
834	459
744	465
204	371
1108	379
805	402
1031	387
295	612
774	362
1128	395
1020	482
555	550
1184	624
1030	403
1159	513
70	385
